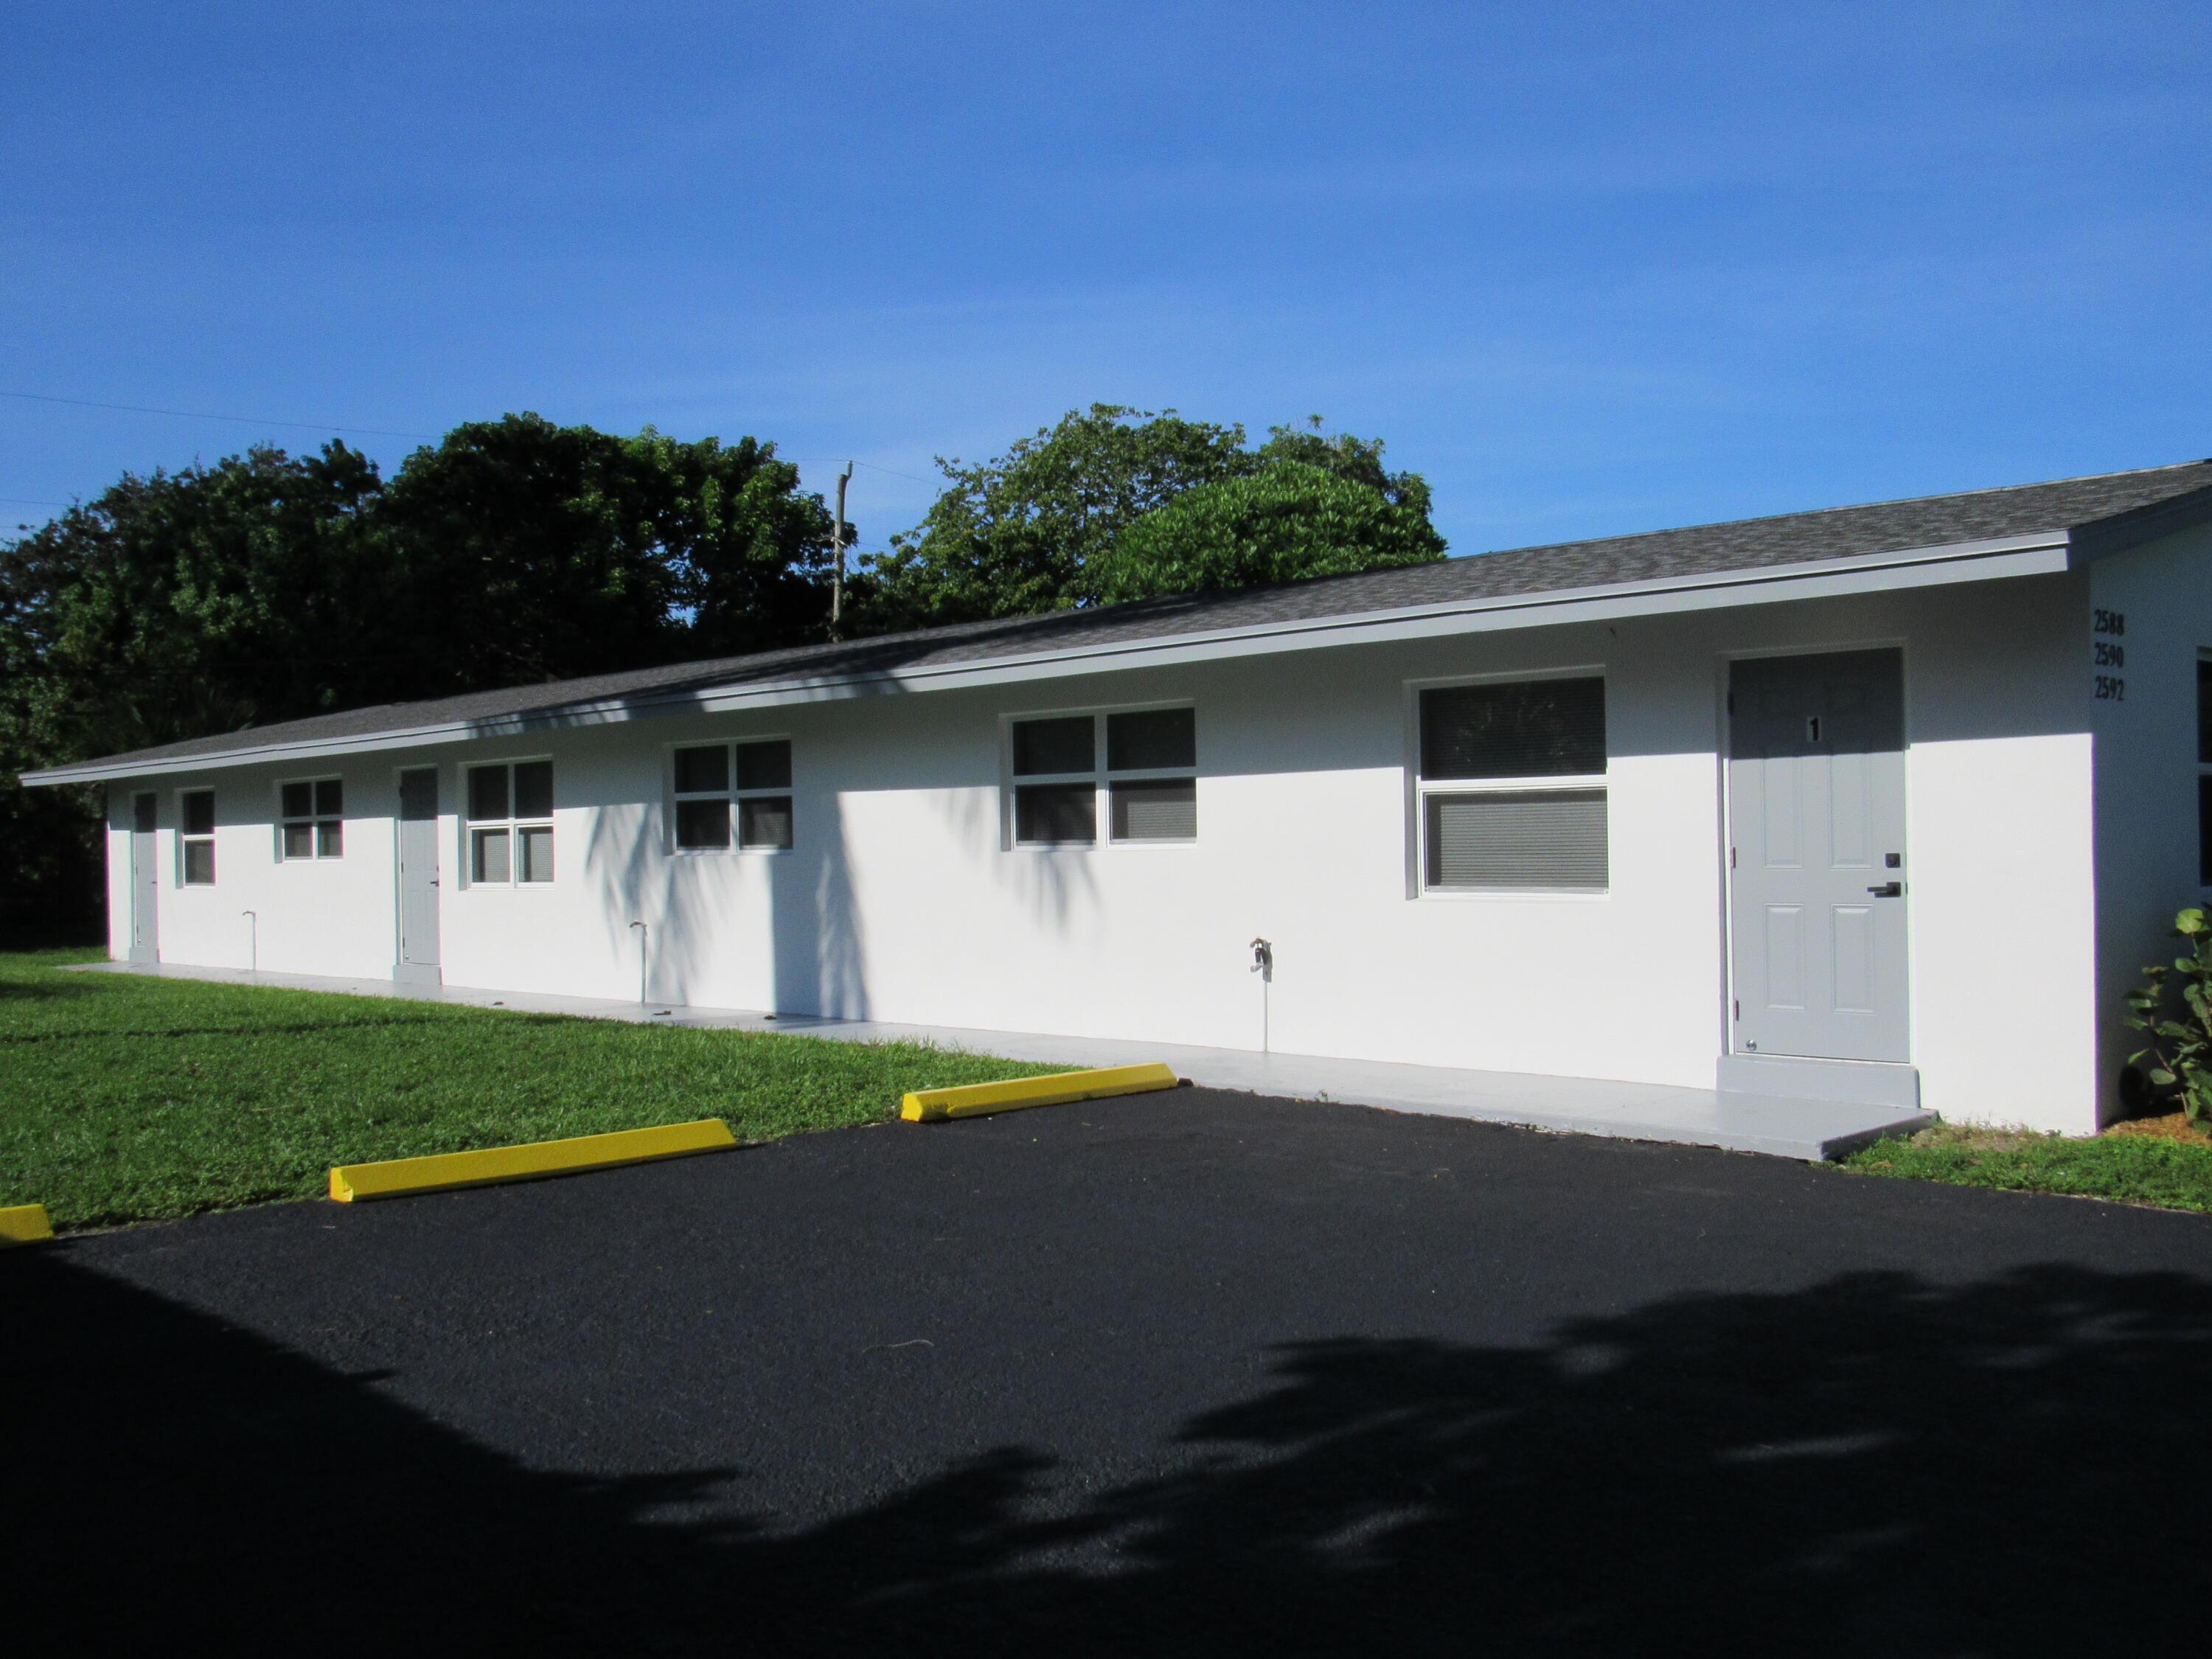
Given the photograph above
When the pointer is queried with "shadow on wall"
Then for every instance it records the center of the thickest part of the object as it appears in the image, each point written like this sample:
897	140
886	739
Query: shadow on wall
1875	1465
821	959
795	912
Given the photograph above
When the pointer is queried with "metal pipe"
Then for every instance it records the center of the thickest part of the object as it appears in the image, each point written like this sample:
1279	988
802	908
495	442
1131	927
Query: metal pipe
1263	964
253	941
644	942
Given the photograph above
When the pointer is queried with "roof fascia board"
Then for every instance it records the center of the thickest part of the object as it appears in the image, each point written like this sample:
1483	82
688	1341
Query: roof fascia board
2118	534
2039	554
2040	557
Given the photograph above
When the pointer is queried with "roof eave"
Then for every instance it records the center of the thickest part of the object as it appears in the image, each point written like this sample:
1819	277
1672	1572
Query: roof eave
2035	554
2105	536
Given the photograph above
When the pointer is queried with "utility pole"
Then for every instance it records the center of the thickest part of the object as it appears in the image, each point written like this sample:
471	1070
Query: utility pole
837	585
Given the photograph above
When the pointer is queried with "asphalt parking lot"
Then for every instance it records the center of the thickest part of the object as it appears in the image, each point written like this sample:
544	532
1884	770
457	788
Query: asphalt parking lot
1189	1373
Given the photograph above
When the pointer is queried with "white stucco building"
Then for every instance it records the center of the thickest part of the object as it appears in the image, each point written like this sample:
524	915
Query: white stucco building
1882	804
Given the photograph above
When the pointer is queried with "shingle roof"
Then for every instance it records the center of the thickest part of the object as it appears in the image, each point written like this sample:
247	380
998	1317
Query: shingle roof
2065	505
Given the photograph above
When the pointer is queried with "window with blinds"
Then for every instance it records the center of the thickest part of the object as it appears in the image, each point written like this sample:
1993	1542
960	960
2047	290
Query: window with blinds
1149	780
1483	826
196	837
510	829
744	788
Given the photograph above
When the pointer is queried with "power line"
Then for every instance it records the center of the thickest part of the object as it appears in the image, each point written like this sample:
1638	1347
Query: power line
29	500
240	420
829	460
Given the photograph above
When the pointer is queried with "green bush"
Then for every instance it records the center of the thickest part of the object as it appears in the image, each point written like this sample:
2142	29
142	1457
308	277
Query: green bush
2179	1052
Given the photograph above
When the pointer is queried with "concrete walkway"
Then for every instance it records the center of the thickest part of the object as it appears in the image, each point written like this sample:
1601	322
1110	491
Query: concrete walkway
1809	1130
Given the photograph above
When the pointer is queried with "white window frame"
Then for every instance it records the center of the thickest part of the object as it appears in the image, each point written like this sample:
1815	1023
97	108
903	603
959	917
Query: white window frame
1101	777
513	826
314	820
187	840
735	795
1419	788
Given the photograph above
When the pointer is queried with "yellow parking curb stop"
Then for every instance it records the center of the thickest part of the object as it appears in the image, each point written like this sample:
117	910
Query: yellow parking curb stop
980	1099
24	1224
443	1171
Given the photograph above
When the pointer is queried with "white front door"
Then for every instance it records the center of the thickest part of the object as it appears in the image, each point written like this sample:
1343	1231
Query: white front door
1817	871
145	878
418	876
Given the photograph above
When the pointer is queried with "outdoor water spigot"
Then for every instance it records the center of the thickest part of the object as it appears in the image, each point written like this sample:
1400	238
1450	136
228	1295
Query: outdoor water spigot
1263	961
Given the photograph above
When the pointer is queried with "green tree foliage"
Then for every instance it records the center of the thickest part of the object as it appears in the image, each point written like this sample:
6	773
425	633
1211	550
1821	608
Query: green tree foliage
1021	534
1289	519
1358	460
525	551
267	586
1117	503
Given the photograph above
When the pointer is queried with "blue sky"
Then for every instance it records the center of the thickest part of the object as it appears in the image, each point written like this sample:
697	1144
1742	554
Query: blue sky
1590	268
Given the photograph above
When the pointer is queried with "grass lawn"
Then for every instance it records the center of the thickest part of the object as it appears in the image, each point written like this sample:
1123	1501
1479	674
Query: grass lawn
125	1098
2134	1168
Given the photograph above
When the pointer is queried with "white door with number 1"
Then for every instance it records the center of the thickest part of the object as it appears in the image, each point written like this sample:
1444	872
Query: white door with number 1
1817	878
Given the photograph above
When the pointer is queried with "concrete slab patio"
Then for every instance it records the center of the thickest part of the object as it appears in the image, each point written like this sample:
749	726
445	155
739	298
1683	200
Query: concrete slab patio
1808	1129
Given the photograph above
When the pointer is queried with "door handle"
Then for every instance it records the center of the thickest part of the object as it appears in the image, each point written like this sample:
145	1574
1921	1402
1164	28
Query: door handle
1888	890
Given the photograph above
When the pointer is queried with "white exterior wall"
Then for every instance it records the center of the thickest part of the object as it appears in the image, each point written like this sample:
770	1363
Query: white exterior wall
2147	766
312	916
901	903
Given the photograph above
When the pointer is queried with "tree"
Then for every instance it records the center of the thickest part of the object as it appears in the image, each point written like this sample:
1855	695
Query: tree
190	602
171	606
1020	534
1357	459
1048	526
267	586
1288	520
530	551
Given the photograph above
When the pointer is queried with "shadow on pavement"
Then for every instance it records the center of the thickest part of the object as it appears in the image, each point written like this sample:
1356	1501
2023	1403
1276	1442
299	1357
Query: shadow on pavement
1874	1465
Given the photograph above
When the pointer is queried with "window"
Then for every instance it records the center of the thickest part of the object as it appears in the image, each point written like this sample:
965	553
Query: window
196	843
1510	783
1150	778
745	786
511	824
2205	771
313	824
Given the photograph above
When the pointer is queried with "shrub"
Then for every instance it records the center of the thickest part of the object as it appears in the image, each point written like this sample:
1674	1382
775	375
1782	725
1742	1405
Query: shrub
2179	1051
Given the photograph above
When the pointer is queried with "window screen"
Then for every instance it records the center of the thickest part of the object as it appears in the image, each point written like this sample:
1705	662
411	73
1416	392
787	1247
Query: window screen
764	821
1056	812
198	811
1148	780
533	789
703	825
2205	828
1152	739
764	765
1550	839
1042	747
702	771
313	824
503	849
488	794
2204	713
1529	729
1162	809
747	802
